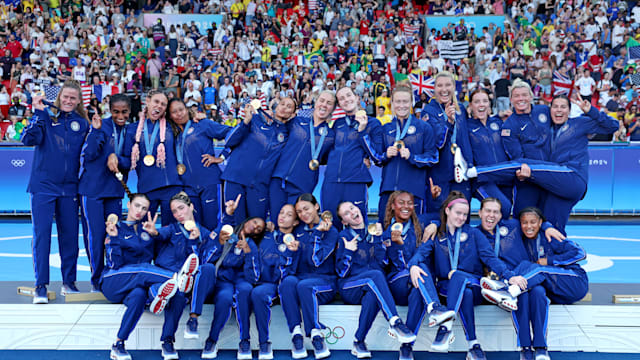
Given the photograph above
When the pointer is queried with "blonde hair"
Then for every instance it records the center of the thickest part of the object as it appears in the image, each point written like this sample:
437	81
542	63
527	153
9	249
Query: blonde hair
450	76
520	84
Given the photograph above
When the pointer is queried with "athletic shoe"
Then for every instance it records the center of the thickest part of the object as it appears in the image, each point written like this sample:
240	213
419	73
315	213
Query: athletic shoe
526	353
41	295
476	353
168	351
360	350
401	332
185	275
542	354
406	352
191	331
297	341
165	292
488	283
266	353
439	314
502	298
69	288
320	349
443	339
460	167
244	350
210	350
118	351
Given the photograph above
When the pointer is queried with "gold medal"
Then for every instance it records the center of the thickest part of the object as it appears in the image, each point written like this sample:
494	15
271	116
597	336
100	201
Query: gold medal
399	144
189	225
149	160
112	219
326	215
181	169
227	229
314	164
372	229
454	147
256	104
288	239
493	276
397	227
361	113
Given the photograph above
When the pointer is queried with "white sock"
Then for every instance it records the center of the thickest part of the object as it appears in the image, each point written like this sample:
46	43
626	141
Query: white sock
430	308
472	172
515	290
472	343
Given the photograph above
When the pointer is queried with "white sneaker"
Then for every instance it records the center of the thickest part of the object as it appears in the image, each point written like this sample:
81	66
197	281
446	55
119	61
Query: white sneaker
460	166
502	298
488	283
185	275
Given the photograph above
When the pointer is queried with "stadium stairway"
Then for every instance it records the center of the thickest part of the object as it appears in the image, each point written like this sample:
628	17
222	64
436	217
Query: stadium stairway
93	326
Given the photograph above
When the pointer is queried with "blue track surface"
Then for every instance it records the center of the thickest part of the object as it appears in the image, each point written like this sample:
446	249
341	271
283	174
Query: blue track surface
614	252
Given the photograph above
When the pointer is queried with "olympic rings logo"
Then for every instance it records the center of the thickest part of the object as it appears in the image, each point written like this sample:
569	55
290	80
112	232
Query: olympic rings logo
18	162
333	335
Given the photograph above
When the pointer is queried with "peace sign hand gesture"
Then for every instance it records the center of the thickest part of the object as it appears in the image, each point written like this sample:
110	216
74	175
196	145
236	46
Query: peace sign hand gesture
150	225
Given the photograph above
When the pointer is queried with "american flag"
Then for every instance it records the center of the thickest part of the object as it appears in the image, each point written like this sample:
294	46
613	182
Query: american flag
243	103
263	100
305	112
51	92
86	94
421	84
410	31
313	5
337	114
561	84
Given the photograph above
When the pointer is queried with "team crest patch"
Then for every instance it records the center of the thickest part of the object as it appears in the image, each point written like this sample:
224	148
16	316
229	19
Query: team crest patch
144	236
411	130
75	126
505	132
282	247
190	131
494	126
425	117
504	231
542	118
463	237
323	131
280	137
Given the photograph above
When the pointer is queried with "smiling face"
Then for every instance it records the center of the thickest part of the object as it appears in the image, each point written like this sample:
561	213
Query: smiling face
181	211
324	106
350	214
285	109
480	105
530	225
308	212
253	227
457	215
560	110
444	90
287	218
521	100
156	106
120	112
69	99
490	215
178	113
138	208
402	207
347	100
401	104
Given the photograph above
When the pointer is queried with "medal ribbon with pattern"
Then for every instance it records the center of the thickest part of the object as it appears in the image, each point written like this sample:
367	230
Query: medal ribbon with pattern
184	231
315	150
354	234
118	139
496	246
149	141
453	258
400	136
180	146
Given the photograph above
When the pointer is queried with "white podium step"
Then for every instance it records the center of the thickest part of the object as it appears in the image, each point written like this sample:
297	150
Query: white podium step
589	328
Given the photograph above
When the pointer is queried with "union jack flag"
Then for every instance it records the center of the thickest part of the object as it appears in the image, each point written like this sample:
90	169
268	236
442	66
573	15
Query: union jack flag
561	84
421	84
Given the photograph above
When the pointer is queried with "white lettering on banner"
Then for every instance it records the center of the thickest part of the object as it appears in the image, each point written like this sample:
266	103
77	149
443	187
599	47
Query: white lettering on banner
598	162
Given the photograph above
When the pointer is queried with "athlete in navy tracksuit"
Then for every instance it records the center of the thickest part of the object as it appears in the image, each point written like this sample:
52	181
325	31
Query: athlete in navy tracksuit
256	144
53	184
360	260
309	277
238	269
272	247
293	175
150	144
565	176
101	192
129	277
194	150
486	142
449	123
456	260
347	177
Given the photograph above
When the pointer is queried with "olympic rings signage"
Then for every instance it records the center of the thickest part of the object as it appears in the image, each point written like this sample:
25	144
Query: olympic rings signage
333	335
18	162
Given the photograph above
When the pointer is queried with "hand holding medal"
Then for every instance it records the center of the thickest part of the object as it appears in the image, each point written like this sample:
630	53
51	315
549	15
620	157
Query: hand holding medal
326	221
111	228
375	229
362	119
192	228
396	233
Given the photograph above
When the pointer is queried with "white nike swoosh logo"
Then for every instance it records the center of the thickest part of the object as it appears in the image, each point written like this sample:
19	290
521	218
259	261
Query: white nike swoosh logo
358	202
264	128
299	235
474	130
524	127
178	233
56	124
128	237
263	199
441	114
208	201
392	131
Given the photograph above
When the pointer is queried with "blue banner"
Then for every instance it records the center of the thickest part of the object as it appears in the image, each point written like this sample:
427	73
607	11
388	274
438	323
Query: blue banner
613	181
202	22
477	22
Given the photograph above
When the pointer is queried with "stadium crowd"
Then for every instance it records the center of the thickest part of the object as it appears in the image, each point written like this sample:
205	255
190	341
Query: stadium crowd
503	114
